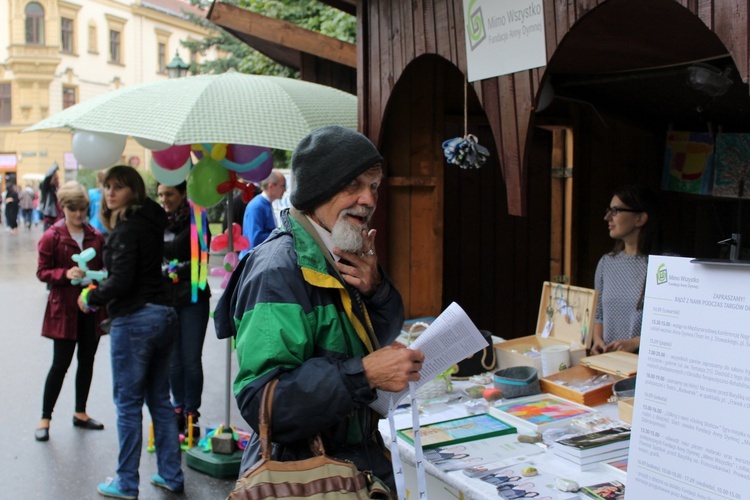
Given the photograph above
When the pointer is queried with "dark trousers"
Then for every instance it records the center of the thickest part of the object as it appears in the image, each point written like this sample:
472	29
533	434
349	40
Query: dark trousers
88	342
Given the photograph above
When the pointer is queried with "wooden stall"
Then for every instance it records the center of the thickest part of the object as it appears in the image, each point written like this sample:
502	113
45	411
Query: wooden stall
615	83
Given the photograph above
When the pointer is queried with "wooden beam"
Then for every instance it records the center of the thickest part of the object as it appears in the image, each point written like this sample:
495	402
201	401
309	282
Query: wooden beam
283	33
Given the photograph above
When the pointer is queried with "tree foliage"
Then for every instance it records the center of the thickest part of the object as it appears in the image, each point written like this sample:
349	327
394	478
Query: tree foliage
308	14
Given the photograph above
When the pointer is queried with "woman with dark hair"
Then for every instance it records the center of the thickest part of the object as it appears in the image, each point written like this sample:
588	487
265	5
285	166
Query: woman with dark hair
186	370
142	330
64	323
632	219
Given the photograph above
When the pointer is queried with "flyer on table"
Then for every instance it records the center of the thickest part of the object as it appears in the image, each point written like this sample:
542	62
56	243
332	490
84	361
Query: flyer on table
691	431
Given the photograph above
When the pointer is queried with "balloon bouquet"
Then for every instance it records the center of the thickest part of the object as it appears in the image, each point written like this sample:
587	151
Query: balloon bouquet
213	176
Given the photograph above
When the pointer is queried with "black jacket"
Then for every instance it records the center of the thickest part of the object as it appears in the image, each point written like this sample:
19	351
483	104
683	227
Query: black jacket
133	257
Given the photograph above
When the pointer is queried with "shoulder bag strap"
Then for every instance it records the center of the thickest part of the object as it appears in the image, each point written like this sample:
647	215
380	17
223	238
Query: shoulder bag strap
264	422
265	413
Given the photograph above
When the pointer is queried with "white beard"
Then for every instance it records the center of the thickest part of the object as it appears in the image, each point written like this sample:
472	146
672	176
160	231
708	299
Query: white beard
347	236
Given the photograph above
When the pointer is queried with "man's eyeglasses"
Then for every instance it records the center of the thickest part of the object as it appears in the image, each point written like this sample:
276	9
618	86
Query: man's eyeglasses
613	211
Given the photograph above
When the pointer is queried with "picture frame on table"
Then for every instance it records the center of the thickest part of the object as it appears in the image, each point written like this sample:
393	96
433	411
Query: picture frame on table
539	412
458	430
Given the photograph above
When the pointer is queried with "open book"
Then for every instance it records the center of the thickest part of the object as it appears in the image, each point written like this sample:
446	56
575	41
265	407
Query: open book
449	339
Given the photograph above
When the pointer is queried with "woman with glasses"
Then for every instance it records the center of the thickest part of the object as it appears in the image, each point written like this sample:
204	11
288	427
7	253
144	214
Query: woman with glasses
632	220
64	323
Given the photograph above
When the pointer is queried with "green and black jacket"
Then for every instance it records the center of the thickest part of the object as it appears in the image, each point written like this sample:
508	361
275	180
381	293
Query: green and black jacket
293	319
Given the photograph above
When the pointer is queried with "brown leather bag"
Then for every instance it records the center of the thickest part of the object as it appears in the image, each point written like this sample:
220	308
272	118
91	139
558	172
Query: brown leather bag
320	477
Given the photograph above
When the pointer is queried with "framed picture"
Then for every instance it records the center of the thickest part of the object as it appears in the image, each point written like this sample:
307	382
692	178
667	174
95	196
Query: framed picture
539	412
458	430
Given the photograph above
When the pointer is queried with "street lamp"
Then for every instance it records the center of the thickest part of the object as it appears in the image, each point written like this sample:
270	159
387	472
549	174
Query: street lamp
177	68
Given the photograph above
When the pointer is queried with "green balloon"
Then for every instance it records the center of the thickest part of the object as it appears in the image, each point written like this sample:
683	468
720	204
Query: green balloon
203	181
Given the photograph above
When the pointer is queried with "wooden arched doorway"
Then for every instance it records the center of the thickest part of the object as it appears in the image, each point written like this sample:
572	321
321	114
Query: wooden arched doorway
449	235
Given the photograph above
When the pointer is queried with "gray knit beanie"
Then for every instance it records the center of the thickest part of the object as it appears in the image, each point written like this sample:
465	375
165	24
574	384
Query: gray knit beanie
325	161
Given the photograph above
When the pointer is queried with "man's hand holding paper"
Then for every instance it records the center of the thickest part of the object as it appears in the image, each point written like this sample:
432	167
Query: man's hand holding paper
392	368
449	339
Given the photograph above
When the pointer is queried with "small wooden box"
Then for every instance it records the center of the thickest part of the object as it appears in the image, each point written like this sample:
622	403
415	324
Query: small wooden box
619	364
571	325
625	407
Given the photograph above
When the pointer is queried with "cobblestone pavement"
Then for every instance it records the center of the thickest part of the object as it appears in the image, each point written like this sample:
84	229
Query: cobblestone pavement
74	461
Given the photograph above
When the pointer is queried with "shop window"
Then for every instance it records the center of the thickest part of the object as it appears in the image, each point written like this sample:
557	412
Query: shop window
114	46
5	115
66	35
162	58
69	96
34	24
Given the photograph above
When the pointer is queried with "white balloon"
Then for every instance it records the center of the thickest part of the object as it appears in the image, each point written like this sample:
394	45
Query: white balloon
151	144
98	150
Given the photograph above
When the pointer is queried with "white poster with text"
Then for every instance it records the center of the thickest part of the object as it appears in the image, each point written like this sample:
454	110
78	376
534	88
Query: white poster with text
503	37
691	432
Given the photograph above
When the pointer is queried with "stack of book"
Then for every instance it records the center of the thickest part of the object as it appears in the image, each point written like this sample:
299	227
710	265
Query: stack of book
587	450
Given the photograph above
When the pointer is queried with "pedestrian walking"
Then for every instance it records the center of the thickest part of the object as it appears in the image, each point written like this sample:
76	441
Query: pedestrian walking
11	208
26	203
49	207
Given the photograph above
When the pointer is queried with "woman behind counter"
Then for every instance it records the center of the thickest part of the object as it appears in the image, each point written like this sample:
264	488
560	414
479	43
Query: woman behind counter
186	371
64	323
632	219
142	331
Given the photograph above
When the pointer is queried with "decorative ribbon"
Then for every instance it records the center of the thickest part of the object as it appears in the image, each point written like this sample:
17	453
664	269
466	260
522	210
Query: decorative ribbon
198	250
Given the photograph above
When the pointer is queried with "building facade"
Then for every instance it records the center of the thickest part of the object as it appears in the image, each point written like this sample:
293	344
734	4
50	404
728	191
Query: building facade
56	53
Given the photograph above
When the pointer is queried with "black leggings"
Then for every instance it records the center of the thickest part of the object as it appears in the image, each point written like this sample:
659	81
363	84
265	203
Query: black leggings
88	342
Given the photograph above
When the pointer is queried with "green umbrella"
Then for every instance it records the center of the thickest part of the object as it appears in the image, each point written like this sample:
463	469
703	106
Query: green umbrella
232	108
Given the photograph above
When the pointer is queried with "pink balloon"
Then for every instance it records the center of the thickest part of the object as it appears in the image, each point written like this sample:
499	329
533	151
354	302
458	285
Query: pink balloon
245	154
173	157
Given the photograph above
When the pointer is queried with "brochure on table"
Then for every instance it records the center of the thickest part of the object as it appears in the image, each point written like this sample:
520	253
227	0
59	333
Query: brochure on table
690	434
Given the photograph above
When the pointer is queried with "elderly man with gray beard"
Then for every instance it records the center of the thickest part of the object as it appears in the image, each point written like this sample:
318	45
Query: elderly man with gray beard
312	307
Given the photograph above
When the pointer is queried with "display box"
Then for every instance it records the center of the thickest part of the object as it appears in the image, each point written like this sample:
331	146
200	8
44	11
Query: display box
575	377
621	363
618	365
566	317
625	409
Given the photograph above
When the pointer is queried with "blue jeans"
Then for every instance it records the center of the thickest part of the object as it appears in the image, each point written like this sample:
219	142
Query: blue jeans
141	345
186	371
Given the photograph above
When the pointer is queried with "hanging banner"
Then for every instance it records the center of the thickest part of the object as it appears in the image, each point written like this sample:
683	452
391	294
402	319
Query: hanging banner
503	37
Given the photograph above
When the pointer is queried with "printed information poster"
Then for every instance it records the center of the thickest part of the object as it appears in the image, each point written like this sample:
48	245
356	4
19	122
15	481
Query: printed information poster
503	37
691	422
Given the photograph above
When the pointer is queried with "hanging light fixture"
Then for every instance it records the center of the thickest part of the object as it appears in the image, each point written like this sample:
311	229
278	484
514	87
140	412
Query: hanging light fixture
708	79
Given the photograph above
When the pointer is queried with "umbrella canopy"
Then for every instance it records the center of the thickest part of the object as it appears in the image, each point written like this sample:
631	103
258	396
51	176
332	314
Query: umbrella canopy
231	107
